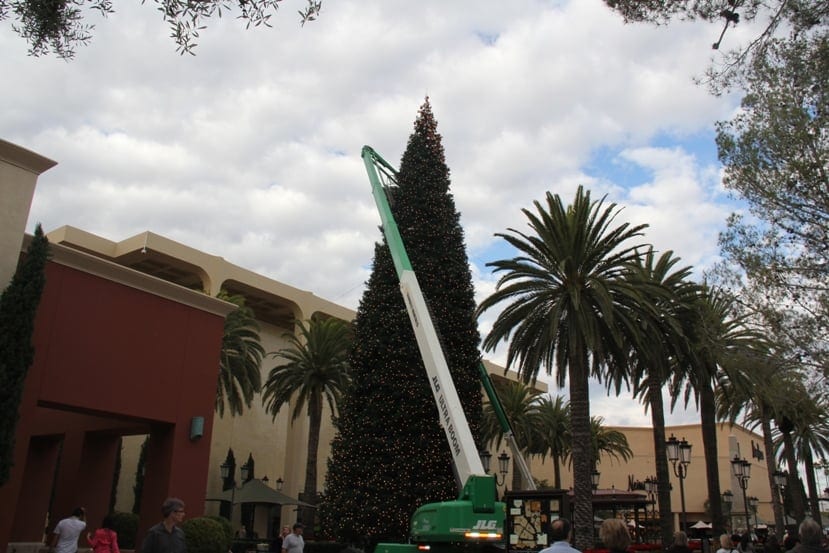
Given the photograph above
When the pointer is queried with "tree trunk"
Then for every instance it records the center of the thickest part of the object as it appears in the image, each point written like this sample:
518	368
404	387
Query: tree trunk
310	489
666	523
708	424
768	446
814	504
583	462
793	488
556	471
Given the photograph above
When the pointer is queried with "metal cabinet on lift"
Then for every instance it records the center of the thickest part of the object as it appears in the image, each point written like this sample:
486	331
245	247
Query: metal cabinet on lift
529	514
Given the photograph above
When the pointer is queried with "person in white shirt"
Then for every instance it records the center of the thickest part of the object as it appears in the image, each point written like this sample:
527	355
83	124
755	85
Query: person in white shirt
293	542
67	531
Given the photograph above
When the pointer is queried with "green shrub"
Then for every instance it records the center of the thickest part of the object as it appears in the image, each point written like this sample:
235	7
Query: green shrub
126	526
205	535
228	528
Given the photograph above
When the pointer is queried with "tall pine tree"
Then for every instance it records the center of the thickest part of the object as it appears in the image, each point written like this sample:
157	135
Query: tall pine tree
390	454
18	306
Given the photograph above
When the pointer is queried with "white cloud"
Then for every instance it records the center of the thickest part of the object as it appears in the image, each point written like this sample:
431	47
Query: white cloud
250	150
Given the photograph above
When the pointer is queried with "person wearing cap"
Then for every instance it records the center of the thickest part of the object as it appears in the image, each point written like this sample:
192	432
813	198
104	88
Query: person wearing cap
166	536
293	542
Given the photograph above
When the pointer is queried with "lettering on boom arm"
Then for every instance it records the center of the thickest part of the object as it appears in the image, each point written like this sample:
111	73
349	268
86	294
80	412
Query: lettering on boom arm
447	421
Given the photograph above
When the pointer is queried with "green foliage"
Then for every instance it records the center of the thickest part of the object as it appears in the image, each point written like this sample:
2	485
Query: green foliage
390	455
776	157
316	372
60	26
126	526
138	487
18	307
240	359
227	527
206	535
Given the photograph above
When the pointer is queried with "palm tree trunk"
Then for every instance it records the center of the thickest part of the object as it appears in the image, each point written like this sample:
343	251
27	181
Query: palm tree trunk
708	424
310	489
666	526
556	471
768	446
793	487
809	465
583	462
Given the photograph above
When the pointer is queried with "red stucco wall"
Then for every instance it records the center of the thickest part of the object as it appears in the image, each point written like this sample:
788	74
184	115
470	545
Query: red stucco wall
111	360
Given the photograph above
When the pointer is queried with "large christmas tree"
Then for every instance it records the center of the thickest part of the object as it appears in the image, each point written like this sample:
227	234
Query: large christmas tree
390	455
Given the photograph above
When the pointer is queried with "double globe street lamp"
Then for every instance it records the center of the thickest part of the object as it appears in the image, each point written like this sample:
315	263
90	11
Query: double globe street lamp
742	472
679	454
781	479
503	465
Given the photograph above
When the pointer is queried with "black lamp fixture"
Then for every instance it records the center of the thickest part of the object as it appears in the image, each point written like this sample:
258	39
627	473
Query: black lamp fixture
503	465
742	472
594	479
226	470
279	484
679	454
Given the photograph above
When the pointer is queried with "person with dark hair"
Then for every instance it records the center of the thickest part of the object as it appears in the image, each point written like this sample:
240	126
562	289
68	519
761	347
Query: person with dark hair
746	543
166	536
65	536
560	530
105	539
614	534
293	543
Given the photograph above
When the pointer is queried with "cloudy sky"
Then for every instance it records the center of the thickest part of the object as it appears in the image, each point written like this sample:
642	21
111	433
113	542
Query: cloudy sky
251	149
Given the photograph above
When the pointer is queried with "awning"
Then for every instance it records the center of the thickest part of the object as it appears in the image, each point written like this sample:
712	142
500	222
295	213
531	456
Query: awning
700	525
256	491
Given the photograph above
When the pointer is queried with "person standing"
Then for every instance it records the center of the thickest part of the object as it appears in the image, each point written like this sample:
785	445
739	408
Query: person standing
614	534
680	544
105	539
293	542
166	536
67	531
560	530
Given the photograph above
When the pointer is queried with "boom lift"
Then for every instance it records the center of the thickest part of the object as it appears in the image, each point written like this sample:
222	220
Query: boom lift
475	519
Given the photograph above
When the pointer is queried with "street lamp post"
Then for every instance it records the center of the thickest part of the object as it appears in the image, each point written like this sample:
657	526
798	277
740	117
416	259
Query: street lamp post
742	472
781	478
226	471
727	501
679	454
753	502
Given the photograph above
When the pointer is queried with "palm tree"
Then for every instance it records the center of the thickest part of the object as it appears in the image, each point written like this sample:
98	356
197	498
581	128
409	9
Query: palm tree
811	439
606	441
752	392
240	359
652	363
316	370
554	438
717	335
520	405
569	307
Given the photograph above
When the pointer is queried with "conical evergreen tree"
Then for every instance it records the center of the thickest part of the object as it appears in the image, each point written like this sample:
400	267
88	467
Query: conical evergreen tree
18	307
390	455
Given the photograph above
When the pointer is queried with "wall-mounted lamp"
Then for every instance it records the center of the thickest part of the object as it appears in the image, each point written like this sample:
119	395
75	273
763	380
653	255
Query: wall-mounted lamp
196	428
